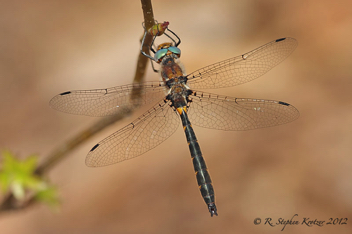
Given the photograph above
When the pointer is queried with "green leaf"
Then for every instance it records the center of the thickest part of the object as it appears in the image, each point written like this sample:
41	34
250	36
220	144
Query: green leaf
49	196
17	190
4	182
17	176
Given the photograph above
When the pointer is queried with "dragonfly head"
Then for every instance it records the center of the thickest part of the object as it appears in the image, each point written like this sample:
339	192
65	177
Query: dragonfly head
166	49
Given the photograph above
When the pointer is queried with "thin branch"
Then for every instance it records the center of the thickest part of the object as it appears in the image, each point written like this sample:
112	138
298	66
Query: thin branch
148	22
9	202
62	151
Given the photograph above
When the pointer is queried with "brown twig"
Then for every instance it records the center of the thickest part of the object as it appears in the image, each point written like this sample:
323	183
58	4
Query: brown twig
9	202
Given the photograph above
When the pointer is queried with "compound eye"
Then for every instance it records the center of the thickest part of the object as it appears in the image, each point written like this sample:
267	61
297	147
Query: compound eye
160	54
175	50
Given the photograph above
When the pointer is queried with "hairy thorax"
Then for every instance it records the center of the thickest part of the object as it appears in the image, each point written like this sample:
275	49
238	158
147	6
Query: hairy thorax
173	75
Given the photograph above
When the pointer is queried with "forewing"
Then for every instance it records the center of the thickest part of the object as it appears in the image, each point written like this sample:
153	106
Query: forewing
228	113
243	68
143	134
110	101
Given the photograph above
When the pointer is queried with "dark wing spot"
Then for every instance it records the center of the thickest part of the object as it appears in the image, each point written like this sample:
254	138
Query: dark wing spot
94	147
284	103
281	39
65	93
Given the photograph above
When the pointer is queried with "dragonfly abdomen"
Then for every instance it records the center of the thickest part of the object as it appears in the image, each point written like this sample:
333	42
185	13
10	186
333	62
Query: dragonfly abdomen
202	174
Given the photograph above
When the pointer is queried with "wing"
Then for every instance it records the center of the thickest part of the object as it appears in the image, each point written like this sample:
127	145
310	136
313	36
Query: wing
143	134
104	102
243	68
229	113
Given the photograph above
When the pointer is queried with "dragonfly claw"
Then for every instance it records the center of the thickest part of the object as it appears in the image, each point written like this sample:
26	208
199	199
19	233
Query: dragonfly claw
212	209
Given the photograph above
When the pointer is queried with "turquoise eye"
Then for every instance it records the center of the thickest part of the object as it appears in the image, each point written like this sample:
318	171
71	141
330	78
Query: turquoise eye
160	54
175	50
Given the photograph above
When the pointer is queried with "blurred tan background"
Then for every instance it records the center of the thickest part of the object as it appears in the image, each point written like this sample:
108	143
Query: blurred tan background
304	168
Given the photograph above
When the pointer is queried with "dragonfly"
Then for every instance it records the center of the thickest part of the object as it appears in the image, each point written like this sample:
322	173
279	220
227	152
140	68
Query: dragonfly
178	100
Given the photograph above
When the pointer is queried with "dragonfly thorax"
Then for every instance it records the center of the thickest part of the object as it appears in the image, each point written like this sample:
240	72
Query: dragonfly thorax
171	68
178	95
178	91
